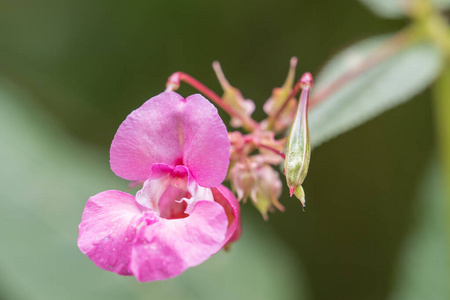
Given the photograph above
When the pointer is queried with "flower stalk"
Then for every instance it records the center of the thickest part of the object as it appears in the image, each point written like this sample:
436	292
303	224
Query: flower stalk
173	84
442	109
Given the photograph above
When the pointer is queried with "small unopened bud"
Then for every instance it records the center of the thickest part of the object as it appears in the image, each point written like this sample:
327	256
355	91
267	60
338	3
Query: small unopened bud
257	180
298	146
267	190
173	83
233	97
277	99
300	194
242	179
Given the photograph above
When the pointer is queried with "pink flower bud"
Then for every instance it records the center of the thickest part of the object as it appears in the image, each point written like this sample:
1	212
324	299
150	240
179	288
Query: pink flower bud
243	179
256	179
267	190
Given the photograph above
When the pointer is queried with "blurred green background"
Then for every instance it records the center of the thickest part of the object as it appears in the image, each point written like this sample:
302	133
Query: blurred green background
71	71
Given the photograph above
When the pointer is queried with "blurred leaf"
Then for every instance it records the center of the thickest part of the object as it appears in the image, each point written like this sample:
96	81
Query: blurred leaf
387	8
442	4
398	8
386	85
46	179
424	267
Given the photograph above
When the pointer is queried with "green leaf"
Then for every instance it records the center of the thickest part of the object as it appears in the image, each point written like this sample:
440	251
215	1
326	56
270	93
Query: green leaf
45	181
386	8
442	4
398	8
384	86
423	270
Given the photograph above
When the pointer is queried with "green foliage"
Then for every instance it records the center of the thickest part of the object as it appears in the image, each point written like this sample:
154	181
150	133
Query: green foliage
397	8
441	4
424	266
46	179
374	91
386	8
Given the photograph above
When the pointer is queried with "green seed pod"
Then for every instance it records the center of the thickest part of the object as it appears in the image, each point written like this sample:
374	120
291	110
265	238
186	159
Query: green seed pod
298	146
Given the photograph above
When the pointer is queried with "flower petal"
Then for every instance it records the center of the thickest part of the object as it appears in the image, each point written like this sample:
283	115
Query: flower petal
226	198
207	150
170	130
108	229
165	248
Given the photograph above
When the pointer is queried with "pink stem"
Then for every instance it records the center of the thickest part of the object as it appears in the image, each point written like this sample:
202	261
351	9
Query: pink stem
174	83
250	139
273	150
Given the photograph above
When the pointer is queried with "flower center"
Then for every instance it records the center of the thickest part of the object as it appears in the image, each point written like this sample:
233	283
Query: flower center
164	195
170	204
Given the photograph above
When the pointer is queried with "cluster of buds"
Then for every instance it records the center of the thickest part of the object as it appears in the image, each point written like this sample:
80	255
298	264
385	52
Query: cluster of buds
259	149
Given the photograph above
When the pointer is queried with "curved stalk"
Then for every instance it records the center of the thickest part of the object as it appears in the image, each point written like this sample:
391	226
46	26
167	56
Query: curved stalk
173	83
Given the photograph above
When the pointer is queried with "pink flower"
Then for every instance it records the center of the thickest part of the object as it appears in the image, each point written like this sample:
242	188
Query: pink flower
182	215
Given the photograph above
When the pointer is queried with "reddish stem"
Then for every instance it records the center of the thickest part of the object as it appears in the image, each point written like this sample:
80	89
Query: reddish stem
173	83
250	139
273	150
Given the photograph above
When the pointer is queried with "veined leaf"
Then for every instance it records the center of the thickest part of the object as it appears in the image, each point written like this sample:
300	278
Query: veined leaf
389	83
398	8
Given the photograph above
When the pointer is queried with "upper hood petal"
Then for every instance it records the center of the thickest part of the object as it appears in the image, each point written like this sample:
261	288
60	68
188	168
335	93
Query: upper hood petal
170	130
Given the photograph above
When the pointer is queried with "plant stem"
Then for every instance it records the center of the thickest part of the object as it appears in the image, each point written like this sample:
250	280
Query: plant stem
442	112
436	27
273	150
173	83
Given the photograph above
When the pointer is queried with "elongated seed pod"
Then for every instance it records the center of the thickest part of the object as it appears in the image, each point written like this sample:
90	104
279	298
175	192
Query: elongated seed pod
298	146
